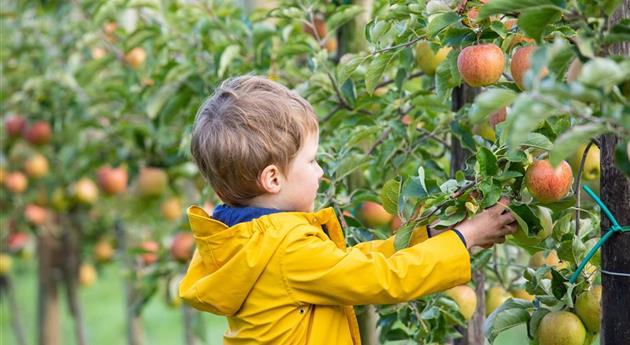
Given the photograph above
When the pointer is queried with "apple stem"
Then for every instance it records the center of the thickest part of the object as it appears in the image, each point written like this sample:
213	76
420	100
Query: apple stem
577	186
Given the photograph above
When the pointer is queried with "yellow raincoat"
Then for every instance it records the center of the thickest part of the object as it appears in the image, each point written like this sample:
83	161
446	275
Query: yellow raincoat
280	279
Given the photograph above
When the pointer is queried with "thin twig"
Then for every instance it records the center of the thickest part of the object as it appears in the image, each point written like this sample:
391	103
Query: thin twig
379	141
402	45
387	82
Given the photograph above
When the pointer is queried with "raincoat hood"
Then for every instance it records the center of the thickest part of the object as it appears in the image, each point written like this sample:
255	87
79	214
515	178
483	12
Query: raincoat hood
233	253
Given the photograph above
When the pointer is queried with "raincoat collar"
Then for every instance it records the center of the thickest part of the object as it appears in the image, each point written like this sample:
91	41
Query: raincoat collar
231	216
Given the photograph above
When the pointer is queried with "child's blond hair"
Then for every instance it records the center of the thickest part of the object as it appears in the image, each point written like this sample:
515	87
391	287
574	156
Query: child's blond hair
249	123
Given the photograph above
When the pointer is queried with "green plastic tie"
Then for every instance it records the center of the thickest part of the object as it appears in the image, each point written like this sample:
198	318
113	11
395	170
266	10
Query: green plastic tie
613	229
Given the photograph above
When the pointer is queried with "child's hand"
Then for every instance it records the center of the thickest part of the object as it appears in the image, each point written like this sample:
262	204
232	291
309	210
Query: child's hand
489	227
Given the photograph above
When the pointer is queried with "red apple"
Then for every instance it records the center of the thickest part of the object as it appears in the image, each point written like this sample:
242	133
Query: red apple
16	182
16	241
481	65
36	215
546	183
38	134
183	246
374	215
150	254
497	117
112	180
520	64
15	125
152	182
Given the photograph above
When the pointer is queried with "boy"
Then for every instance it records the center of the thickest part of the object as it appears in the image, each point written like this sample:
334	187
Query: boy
280	272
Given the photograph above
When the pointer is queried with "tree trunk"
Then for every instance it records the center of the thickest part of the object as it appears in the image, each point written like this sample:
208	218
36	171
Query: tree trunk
134	323
473	334
615	193
352	35
71	248
49	254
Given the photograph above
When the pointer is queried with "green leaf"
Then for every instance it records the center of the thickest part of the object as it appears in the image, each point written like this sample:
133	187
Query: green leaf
610	6
532	221
227	57
558	288
525	115
390	195
534	21
534	322
489	102
440	22
568	141
344	71
602	72
376	69
504	6
403	236
351	163
159	99
487	162
342	15
509	314
538	141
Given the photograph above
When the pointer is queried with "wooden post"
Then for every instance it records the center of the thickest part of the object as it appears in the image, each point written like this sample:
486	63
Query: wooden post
474	333
615	193
49	277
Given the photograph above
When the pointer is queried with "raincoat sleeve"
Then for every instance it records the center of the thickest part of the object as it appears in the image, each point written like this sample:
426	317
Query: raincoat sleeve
316	271
386	247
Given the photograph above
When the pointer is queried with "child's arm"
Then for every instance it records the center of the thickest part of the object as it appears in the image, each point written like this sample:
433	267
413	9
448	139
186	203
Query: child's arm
317	272
466	228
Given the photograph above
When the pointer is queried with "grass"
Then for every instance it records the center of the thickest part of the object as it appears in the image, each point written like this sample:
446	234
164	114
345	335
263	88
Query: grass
104	311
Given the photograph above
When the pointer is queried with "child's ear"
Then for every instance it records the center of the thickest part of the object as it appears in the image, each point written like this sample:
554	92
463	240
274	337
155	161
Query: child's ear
271	179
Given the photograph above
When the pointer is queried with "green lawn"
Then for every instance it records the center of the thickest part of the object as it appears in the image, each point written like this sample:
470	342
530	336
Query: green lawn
104	310
104	315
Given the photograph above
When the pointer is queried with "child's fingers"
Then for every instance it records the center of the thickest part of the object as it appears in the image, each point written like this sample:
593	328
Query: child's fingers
500	206
506	218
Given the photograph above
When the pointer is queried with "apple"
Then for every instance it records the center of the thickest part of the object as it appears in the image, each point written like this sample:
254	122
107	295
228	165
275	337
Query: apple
546	183
98	53
495	296
16	241
588	308
183	246
14	125
465	298
520	64
135	57
171	209
6	262
481	65
592	167
427	60
522	294
395	224
150	252
87	275
85	191
36	166
112	180
36	215
16	182
374	215
103	251
38	134
152	182
561	328
331	45
3	175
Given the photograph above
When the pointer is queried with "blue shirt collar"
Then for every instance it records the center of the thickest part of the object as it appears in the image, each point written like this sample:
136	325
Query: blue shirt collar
231	216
